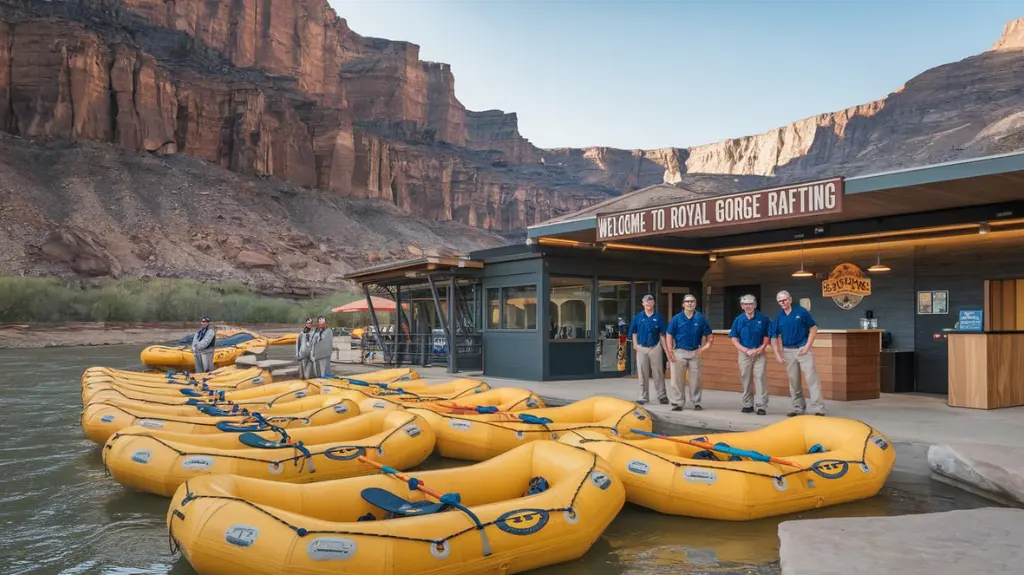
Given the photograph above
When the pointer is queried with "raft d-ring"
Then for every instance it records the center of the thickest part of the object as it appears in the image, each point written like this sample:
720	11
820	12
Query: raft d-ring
780	483
571	517
380	450
440	550
865	467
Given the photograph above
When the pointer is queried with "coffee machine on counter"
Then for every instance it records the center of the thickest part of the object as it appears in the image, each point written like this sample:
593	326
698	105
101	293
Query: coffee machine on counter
869	321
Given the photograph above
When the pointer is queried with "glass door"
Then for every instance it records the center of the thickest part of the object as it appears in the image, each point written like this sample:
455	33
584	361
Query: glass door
613	318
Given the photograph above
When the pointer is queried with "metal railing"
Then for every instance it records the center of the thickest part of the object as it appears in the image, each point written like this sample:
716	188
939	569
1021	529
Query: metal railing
423	349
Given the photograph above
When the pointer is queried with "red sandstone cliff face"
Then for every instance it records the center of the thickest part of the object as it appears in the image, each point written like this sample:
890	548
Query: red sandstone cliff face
284	88
278	88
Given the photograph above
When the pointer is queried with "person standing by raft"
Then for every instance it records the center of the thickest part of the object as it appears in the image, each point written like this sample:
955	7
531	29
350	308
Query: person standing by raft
321	348
303	347
203	344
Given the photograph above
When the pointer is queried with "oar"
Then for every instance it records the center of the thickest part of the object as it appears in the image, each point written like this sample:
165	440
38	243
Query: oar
452	499
723	448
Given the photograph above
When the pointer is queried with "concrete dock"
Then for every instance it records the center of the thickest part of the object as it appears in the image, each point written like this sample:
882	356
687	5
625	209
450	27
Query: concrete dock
987	541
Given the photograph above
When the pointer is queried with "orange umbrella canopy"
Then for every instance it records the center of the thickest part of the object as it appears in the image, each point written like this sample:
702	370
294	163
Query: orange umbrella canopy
379	304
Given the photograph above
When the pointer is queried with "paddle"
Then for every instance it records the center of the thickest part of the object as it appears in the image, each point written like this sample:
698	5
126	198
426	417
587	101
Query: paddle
469	408
452	499
723	448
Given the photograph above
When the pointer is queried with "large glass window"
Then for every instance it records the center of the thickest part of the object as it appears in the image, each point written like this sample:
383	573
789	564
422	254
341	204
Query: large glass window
519	305
512	307
613	317
570	308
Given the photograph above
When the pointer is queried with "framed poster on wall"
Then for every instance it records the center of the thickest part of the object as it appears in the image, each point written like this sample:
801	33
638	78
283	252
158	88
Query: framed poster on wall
933	302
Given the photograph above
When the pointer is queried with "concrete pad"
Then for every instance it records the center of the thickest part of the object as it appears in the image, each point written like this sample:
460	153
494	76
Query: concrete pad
971	542
994	472
903	418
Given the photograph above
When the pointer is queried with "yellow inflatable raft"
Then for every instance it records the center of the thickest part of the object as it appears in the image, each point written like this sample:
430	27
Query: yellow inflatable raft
382	376
477	437
261	395
234	379
138	459
490	401
421	391
540	504
815	462
181	357
103	419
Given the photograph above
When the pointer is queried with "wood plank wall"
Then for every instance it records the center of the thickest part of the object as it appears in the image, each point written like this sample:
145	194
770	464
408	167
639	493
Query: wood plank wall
1004	305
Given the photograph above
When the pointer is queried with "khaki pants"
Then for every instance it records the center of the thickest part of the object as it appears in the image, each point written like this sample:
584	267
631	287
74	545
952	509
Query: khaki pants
650	362
679	392
795	364
752	370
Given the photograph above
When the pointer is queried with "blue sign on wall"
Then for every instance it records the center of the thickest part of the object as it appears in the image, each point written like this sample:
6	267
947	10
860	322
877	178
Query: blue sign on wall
971	320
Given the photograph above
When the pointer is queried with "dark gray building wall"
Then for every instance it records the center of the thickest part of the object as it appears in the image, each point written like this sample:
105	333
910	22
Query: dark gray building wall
959	266
891	300
513	353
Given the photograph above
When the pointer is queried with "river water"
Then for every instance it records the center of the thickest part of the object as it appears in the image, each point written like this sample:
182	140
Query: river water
60	514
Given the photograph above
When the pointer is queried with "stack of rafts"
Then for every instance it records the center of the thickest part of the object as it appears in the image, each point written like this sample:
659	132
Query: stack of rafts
312	476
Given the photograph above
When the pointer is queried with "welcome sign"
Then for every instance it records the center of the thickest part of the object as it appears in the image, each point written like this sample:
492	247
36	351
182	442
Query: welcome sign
812	198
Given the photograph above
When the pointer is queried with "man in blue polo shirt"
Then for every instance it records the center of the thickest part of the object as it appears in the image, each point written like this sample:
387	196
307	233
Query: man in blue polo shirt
688	336
749	333
793	332
648	333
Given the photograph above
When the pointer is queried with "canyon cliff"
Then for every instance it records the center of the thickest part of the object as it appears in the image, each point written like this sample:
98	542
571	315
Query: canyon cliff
286	100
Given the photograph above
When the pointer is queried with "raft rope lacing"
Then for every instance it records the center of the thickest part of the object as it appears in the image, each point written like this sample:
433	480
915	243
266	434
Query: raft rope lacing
247	418
299	460
302	532
235	404
692	462
191	383
514	418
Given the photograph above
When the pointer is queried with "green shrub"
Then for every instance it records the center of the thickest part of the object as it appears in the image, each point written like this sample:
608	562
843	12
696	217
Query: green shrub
29	299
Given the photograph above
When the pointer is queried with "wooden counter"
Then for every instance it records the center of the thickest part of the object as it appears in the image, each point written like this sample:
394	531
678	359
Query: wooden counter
986	370
848	363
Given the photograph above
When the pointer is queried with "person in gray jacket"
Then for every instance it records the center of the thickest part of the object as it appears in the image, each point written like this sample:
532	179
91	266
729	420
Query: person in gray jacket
202	346
321	348
303	345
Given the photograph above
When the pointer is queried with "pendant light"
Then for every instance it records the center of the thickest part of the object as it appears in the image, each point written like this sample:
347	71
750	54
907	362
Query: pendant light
879	267
802	273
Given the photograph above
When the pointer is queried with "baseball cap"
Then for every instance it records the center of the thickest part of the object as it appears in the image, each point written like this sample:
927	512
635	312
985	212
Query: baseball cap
648	297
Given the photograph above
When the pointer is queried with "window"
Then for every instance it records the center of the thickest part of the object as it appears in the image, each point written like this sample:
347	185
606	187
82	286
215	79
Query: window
519	305
570	308
512	307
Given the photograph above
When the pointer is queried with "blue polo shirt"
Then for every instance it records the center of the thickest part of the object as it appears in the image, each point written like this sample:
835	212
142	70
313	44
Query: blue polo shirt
794	328
688	332
648	329
750	331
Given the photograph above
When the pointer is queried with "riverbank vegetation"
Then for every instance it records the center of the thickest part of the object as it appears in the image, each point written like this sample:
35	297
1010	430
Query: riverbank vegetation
37	300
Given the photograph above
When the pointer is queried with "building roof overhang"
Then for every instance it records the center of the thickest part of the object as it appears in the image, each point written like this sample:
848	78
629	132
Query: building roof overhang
413	270
986	189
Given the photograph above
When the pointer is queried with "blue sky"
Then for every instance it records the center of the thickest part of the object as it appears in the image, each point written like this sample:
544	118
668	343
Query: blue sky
650	74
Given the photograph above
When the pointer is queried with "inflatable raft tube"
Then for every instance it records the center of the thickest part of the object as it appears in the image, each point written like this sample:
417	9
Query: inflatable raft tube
382	376
477	437
448	390
540	504
827	461
104	419
490	401
138	460
239	379
283	391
